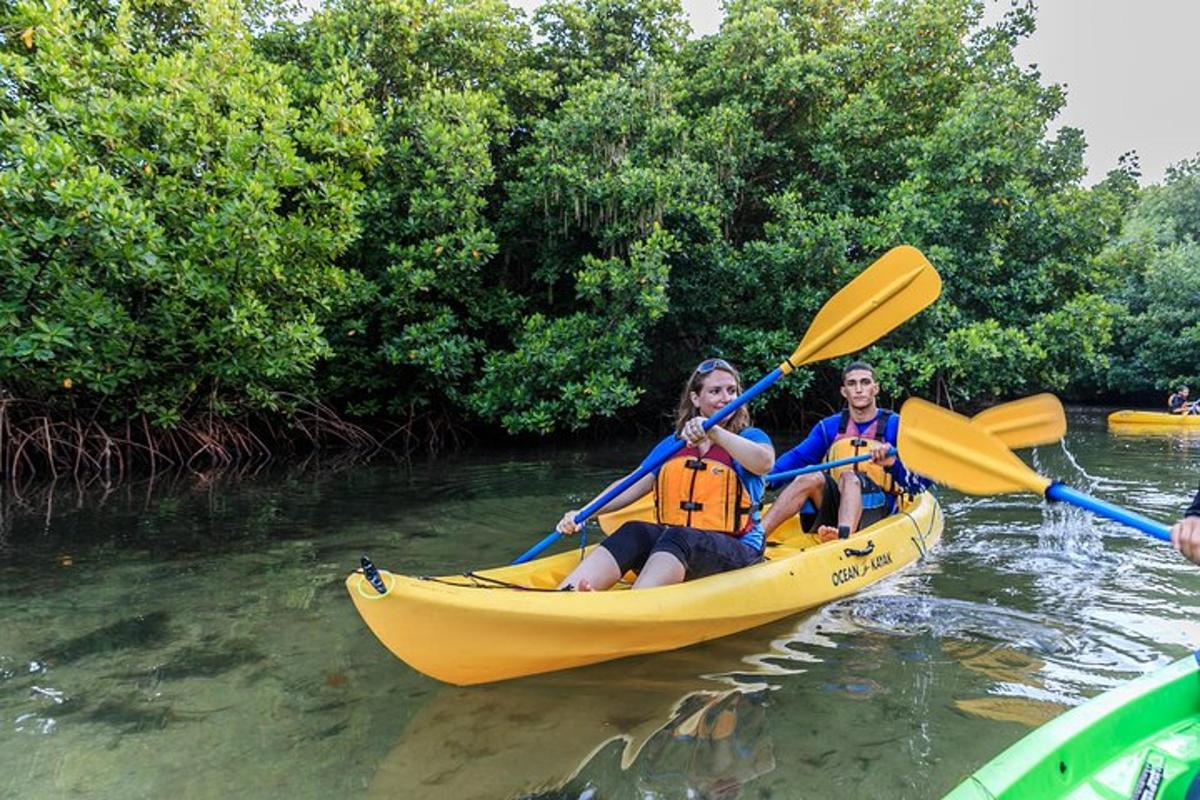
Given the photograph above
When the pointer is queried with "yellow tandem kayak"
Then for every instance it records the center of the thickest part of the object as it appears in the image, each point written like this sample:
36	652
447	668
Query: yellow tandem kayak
506	622
1122	420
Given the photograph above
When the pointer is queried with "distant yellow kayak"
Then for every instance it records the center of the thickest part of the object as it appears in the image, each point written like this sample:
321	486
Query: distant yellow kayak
1122	419
505	622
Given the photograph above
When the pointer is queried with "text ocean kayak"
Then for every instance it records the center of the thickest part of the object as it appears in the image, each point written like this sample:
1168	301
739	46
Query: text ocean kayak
1140	740
507	621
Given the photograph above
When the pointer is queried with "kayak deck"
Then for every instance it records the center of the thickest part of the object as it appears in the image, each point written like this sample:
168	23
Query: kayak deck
1141	740
506	622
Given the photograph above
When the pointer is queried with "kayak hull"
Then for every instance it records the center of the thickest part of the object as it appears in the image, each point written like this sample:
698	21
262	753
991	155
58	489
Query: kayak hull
1145	733
1152	419
475	629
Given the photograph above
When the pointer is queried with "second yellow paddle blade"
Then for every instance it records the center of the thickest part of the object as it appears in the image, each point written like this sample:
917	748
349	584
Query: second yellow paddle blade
1028	422
939	444
884	295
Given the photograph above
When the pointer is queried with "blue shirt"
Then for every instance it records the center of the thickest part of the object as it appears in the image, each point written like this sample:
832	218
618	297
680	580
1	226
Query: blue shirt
814	447
755	485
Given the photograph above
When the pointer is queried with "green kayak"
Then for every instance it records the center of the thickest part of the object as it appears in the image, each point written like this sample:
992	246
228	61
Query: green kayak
1139	741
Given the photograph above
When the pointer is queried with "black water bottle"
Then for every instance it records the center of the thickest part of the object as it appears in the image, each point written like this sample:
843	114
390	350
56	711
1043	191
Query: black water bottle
372	575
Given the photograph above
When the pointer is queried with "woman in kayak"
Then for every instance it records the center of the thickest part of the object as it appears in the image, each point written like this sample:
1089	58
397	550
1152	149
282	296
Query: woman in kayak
707	496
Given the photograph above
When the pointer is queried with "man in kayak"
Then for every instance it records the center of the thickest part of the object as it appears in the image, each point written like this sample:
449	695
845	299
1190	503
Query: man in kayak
1178	402
841	500
707	496
1185	534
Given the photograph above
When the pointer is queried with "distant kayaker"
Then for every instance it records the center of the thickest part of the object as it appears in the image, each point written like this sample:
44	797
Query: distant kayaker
707	496
837	503
1185	534
1178	402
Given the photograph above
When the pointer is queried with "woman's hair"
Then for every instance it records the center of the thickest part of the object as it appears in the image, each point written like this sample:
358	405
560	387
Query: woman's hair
736	422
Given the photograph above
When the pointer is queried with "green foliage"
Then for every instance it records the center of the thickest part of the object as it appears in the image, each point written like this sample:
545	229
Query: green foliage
572	369
588	38
1158	254
436	208
171	217
448	80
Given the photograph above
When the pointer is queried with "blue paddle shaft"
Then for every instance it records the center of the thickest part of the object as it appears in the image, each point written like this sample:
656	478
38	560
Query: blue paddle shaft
646	469
824	465
1056	491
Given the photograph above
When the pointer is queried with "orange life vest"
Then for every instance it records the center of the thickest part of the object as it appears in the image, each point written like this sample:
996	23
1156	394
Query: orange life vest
849	445
703	492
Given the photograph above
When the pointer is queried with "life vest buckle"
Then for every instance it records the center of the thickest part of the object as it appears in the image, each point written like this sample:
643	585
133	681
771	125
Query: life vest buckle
690	505
696	464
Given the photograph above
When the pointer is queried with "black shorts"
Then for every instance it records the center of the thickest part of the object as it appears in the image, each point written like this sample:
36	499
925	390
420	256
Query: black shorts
701	552
831	498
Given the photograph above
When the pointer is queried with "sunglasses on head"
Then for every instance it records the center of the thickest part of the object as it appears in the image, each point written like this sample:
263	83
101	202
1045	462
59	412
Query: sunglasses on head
709	364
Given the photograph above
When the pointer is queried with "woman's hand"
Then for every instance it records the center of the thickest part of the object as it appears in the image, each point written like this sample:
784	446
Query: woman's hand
693	431
566	525
1185	536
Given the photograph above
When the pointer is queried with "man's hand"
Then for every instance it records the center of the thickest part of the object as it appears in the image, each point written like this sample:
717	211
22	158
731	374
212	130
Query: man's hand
1185	536
880	455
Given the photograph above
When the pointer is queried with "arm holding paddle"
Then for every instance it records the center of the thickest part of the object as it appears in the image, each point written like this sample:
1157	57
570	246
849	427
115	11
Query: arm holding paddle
904	478
1185	534
755	457
1185	537
636	490
800	460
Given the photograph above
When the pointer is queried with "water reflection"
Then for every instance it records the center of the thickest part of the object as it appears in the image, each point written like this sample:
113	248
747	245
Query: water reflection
1166	432
152	637
713	746
689	723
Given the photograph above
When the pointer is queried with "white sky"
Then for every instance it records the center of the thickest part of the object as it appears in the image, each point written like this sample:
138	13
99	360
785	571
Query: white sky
1131	70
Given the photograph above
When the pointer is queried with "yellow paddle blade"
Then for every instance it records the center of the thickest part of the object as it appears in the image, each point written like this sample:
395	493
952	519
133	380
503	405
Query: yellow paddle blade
939	444
1028	422
890	291
640	510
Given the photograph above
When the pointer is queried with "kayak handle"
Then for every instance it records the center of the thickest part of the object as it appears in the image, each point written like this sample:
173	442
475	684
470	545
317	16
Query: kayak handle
866	551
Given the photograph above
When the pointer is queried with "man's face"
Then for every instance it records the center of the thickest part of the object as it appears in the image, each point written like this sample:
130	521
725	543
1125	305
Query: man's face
859	388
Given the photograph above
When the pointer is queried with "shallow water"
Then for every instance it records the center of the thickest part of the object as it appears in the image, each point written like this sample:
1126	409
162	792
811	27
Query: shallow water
193	639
